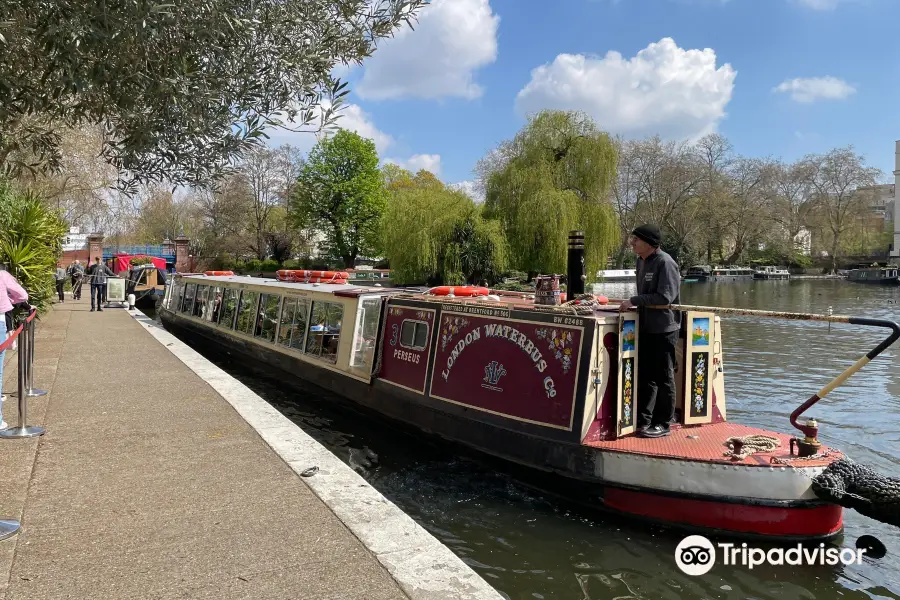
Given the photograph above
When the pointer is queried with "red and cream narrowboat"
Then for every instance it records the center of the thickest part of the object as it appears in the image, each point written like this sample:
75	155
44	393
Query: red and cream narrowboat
550	388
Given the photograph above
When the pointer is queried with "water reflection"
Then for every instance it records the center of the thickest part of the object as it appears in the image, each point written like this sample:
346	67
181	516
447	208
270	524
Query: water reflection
529	544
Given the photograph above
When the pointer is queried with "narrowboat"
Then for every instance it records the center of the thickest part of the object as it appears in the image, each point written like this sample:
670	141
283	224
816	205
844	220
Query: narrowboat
889	275
769	272
728	274
147	283
548	388
616	275
698	273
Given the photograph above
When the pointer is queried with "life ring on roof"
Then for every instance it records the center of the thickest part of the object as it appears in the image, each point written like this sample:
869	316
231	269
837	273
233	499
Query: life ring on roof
218	273
303	275
459	290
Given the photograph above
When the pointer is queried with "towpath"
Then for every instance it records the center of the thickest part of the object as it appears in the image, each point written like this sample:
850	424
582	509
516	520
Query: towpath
160	476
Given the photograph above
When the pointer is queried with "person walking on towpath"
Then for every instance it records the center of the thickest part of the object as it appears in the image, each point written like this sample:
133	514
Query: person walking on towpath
60	281
76	272
98	272
11	294
658	283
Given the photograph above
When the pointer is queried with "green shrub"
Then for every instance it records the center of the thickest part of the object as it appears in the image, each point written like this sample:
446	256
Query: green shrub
30	242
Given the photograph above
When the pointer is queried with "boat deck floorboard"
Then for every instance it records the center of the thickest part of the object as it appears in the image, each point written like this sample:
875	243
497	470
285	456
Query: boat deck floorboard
707	443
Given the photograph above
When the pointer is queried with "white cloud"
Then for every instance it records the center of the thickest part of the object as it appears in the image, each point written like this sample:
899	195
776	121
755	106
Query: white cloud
469	188
352	118
416	162
663	90
816	88
452	39
821	4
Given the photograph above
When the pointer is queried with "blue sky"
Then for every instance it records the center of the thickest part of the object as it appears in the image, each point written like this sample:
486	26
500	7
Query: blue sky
779	78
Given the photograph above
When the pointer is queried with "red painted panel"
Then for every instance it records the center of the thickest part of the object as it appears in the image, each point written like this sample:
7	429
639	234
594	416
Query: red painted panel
401	366
745	518
526	371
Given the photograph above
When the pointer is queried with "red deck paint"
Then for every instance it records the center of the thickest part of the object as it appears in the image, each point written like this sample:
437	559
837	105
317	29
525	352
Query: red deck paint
760	520
709	445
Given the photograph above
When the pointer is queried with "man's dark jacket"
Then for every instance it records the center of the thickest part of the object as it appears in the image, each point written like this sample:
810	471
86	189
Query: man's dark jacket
658	283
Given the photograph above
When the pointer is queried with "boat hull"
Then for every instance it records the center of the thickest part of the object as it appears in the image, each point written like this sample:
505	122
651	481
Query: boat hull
776	502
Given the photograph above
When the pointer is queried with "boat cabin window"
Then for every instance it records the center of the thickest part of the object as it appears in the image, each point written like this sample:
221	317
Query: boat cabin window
246	313
267	319
213	304
292	330
176	295
229	306
414	334
200	301
324	330
188	302
366	336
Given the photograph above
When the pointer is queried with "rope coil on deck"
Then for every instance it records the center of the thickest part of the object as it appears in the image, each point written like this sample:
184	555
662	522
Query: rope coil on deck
750	444
856	486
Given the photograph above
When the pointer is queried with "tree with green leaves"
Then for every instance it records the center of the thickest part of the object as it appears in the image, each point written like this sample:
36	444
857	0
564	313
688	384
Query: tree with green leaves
553	177
182	89
341	193
434	235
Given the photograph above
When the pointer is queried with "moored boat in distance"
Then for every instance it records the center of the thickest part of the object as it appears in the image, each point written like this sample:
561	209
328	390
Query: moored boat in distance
550	388
769	272
616	275
888	275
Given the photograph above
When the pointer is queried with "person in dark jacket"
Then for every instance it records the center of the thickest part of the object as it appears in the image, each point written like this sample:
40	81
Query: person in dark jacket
98	272
658	284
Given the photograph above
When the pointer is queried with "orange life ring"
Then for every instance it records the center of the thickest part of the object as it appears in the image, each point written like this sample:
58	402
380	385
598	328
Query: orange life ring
459	290
303	275
218	273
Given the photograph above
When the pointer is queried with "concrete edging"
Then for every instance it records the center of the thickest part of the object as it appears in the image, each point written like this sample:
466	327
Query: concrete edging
424	567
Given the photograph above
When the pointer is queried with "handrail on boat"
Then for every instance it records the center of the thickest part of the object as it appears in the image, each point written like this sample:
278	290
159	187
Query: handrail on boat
809	430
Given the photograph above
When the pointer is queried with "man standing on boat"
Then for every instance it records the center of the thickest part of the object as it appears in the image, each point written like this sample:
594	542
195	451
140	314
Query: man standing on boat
658	283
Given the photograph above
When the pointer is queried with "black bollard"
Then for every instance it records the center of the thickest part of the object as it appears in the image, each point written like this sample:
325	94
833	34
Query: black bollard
575	276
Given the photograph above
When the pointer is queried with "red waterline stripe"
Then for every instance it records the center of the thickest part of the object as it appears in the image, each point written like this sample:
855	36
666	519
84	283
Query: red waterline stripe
746	518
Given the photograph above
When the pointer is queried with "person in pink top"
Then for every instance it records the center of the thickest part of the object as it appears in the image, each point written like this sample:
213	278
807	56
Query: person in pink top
11	293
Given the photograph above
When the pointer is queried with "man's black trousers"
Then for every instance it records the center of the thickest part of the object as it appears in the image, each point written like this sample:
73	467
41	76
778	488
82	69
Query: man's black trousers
656	378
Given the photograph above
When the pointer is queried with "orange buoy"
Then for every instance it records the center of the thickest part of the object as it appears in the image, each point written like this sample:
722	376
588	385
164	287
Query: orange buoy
459	290
303	275
218	273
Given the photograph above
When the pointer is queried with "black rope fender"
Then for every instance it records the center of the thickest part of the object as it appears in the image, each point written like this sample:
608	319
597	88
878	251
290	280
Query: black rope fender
858	487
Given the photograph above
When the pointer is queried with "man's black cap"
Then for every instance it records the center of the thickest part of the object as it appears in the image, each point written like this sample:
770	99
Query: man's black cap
648	233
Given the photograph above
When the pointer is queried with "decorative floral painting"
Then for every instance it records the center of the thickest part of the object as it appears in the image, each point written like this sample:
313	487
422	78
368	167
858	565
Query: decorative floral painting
560	344
628	336
451	327
699	382
700	333
627	392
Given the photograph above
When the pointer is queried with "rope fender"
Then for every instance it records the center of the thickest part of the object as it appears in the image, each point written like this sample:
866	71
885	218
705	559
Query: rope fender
856	486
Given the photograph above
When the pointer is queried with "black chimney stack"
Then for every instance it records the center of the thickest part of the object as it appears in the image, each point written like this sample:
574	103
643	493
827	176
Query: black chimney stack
575	276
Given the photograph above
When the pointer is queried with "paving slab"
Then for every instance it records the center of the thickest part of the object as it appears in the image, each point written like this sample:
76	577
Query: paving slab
160	476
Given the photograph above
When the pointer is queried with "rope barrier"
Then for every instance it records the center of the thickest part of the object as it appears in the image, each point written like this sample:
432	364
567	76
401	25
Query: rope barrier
10	527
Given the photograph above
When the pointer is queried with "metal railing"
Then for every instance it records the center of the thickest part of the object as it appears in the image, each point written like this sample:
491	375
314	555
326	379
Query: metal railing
24	333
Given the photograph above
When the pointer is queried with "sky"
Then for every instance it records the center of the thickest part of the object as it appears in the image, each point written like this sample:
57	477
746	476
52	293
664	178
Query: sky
778	78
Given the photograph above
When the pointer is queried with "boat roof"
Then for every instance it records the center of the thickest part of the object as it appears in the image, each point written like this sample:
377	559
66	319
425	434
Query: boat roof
341	289
505	299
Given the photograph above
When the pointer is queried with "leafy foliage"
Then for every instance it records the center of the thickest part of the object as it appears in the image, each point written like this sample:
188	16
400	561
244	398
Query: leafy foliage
340	191
553	177
432	234
30	242
180	88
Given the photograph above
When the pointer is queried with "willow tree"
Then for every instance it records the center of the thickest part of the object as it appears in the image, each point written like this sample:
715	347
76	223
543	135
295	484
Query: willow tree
432	234
553	177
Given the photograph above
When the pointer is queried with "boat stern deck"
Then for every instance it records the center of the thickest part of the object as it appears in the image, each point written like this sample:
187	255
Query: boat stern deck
707	443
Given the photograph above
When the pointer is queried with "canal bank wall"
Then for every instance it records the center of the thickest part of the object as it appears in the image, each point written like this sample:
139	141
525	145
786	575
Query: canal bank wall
161	476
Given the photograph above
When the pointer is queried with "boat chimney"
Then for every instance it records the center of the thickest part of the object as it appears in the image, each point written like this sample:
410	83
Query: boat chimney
575	276
895	250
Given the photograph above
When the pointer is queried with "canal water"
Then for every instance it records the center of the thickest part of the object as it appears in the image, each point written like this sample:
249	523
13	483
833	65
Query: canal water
531	545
